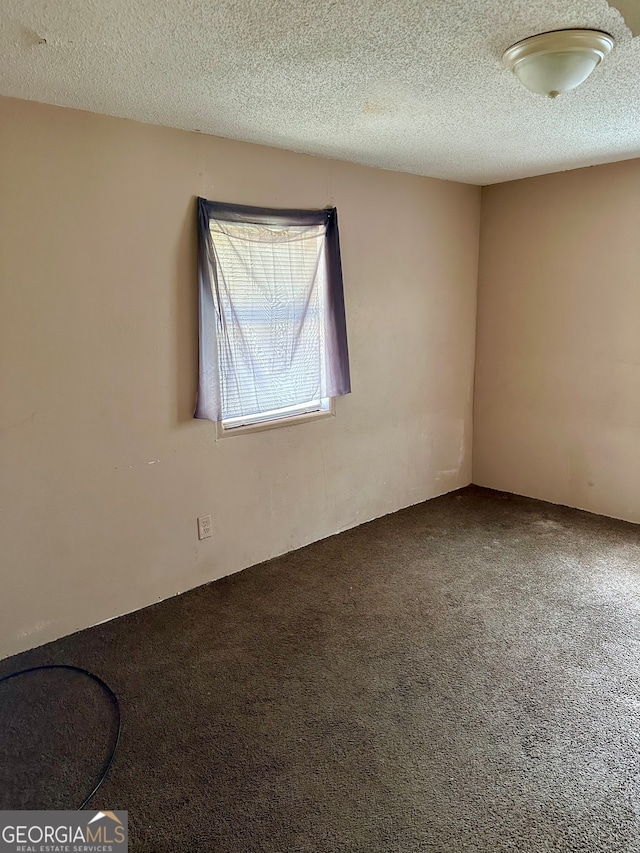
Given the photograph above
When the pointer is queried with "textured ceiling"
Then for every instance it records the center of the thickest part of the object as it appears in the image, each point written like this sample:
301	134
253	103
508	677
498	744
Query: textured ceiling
413	85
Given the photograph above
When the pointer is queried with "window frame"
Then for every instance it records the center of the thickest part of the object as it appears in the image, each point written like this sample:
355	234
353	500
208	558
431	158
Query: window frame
319	414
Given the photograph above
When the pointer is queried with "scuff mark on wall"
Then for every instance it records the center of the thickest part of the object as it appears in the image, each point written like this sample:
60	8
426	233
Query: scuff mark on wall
37	628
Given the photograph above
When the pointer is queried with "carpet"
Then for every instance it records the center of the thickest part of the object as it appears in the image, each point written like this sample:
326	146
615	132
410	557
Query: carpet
462	675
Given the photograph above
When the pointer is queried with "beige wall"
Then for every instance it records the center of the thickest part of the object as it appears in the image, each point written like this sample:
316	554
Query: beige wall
557	402
103	469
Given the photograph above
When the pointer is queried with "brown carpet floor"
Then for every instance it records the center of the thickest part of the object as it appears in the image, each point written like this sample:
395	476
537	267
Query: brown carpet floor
463	675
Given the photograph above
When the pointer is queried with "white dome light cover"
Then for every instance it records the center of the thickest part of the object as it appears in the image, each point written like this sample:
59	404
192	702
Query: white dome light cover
556	62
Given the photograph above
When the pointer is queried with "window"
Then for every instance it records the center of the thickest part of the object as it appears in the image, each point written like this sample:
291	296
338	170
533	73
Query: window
273	342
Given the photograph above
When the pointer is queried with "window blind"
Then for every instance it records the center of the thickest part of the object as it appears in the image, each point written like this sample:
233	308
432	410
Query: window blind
270	288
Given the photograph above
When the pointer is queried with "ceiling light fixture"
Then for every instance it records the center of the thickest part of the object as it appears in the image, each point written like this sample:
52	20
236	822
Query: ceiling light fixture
556	62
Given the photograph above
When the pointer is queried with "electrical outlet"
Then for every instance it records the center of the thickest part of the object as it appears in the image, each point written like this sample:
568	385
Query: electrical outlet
204	527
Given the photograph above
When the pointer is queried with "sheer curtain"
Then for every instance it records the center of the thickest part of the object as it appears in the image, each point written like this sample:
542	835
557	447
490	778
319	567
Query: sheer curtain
272	320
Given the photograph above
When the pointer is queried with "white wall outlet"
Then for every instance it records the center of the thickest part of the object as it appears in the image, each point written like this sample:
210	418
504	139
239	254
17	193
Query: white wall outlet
204	527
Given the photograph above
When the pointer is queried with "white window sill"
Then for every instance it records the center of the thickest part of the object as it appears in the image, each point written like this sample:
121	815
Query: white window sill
276	423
